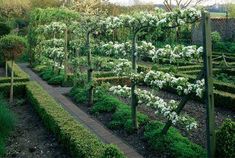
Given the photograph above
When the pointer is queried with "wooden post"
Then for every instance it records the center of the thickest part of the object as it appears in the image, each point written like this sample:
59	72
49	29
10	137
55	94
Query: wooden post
209	97
134	101
89	71
12	81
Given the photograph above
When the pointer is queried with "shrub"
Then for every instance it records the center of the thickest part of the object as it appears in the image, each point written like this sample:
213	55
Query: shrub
215	37
4	29
7	123
225	139
79	94
12	46
172	142
56	80
112	152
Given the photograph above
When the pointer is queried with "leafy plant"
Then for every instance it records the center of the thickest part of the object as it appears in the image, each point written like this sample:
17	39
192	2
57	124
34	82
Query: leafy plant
225	139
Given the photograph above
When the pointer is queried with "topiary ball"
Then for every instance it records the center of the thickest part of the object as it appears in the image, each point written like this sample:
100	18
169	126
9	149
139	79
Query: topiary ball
12	46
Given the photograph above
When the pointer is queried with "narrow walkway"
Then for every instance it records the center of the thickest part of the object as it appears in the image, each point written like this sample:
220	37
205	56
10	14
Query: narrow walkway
94	126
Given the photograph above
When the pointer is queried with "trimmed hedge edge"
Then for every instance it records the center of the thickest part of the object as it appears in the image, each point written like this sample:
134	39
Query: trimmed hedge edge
77	139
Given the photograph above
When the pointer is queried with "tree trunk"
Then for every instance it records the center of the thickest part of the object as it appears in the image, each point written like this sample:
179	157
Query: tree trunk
6	68
89	71
134	101
66	57
12	80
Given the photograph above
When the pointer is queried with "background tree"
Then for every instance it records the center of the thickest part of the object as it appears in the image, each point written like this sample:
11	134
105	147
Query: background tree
14	8
231	10
12	46
171	4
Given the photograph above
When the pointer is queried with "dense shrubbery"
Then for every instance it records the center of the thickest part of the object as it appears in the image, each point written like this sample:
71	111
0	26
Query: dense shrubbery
7	123
225	140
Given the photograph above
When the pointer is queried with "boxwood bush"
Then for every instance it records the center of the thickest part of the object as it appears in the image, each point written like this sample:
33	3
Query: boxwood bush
225	139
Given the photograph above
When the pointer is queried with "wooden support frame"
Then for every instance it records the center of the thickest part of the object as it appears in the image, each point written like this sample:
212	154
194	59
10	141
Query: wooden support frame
209	96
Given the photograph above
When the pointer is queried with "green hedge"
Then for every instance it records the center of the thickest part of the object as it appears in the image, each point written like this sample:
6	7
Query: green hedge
78	140
224	99
19	89
20	75
114	80
18	72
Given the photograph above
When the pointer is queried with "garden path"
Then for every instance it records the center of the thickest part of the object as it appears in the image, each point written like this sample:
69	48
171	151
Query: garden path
91	123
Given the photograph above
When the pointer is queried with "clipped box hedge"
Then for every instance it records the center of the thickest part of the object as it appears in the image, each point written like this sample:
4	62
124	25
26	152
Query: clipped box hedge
114	80
19	74
224	99
19	89
77	139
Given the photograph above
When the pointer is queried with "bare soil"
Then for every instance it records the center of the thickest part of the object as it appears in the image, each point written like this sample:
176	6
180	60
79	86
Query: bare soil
30	138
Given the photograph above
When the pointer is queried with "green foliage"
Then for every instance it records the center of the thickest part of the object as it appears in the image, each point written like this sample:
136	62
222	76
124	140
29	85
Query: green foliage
215	37
122	119
225	140
7	122
172	142
225	78
19	89
78	140
112	152
12	46
46	74
4	29
79	94
227	47
56	80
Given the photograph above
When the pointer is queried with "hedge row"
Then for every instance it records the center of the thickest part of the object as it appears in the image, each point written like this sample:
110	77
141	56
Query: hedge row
20	75
18	72
77	139
224	99
19	89
173	143
114	80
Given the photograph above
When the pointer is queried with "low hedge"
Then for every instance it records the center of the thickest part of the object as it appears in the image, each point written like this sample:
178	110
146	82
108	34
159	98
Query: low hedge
20	75
224	99
18	72
114	80
19	89
77	139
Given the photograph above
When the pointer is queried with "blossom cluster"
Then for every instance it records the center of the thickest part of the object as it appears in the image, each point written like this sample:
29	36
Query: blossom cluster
159	18
159	80
186	53
122	68
167	109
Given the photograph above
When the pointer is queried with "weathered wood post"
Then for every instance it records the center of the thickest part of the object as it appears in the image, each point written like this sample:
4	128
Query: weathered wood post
209	97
